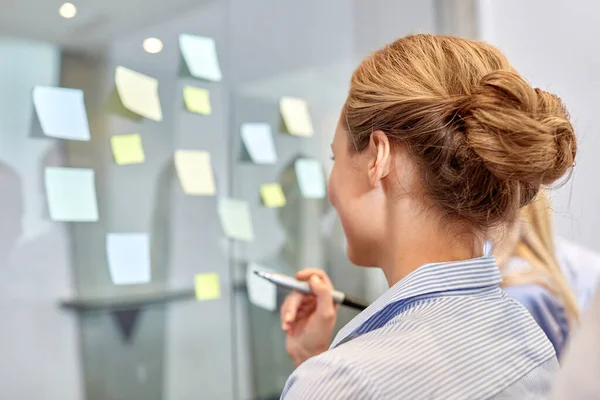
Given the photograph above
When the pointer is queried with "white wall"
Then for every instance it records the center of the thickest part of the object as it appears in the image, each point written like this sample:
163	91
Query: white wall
552	42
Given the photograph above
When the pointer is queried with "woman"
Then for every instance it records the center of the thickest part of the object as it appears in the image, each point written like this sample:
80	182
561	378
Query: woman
533	276
439	141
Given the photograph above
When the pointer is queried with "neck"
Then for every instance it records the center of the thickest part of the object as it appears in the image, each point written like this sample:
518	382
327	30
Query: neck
420	240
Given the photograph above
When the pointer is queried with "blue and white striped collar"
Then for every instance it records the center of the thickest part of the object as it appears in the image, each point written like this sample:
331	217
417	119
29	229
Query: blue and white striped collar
429	279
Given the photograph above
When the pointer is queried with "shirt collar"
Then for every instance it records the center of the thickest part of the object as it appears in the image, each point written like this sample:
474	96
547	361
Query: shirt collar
428	279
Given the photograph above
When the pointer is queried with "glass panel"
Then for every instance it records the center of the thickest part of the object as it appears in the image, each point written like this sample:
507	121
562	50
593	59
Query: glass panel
71	325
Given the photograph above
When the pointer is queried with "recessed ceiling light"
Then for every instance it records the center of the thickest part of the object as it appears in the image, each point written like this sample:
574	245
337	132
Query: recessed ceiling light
153	45
67	10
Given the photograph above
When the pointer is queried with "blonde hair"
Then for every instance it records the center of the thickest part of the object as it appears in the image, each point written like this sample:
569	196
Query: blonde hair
536	245
484	139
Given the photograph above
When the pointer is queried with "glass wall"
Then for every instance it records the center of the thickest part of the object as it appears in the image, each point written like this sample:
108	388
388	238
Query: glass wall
70	331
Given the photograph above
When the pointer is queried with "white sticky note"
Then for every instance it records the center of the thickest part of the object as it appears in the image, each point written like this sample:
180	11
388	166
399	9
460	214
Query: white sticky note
311	181
195	172
235	219
296	117
261	292
128	256
200	56
71	194
258	140
61	112
138	93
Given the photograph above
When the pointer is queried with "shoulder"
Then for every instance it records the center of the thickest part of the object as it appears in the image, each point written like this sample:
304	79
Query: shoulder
330	376
546	309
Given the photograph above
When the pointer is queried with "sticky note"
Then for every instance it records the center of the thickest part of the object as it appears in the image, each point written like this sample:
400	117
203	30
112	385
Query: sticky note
128	256
261	292
138	93
258	140
235	219
295	116
61	112
207	286
71	194
272	195
127	149
311	181
197	100
200	56
195	172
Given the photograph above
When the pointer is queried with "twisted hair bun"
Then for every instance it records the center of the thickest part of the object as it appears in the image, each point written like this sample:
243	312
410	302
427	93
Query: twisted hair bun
522	134
485	140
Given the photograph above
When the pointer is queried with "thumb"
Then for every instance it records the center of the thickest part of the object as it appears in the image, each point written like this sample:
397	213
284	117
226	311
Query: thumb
322	291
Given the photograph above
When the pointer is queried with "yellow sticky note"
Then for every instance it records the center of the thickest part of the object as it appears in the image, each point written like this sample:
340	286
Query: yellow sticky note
195	172
127	149
197	100
272	195
138	93
295	116
207	286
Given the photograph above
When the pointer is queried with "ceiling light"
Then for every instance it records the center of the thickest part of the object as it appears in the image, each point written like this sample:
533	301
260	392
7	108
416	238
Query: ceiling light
67	10
152	45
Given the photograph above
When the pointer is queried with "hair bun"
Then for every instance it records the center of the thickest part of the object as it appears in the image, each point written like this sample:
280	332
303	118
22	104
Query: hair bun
522	134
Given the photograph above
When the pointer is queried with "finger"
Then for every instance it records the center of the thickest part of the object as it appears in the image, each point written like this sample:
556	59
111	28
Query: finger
289	309
326	309
306	273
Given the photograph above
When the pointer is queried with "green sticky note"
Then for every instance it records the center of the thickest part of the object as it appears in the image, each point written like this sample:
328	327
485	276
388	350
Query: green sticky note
311	180
207	286
71	194
197	100
272	195
127	149
235	219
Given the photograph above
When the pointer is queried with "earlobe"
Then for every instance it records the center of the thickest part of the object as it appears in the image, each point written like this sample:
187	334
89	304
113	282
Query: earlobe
380	157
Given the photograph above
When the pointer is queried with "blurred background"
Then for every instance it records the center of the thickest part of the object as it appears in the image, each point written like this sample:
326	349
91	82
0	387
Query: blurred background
68	332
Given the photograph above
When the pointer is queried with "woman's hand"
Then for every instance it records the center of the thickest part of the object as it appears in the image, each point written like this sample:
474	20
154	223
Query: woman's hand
309	319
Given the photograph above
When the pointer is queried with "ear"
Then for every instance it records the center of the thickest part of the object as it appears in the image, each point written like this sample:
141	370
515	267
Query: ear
380	157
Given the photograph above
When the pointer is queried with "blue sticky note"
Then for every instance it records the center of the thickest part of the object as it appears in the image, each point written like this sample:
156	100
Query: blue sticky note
128	256
200	56
61	112
71	194
311	181
259	143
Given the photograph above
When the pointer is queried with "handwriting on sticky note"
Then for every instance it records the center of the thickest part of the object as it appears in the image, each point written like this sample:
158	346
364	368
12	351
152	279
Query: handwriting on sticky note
261	292
272	195
138	93
128	256
258	140
197	100
207	286
71	194
235	219
61	112
311	181
195	172
200	56
127	149
296	117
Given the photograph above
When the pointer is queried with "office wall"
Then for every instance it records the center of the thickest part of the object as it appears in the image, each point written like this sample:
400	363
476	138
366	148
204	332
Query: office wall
552	43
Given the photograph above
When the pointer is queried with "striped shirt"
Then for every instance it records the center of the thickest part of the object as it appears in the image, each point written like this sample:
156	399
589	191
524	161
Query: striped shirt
445	331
